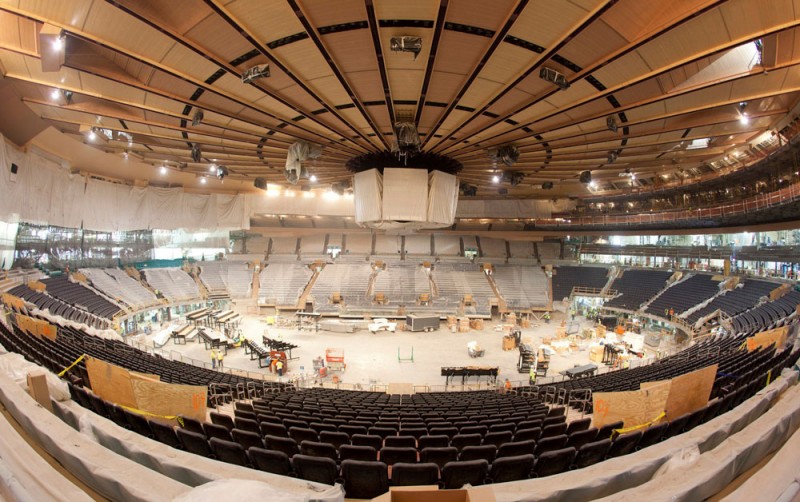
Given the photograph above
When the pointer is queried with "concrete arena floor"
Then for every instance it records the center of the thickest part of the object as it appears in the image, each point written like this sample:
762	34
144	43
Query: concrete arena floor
373	358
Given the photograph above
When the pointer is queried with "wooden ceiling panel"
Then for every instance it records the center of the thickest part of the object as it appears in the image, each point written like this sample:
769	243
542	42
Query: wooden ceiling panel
475	13
268	19
154	63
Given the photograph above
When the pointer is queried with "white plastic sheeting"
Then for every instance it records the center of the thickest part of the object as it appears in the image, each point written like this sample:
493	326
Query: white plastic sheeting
405	194
447	244
42	192
368	191
442	198
112	475
115	207
243	490
17	368
405	198
418	244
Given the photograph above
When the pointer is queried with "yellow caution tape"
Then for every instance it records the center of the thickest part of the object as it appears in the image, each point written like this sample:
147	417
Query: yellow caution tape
72	365
619	432
147	413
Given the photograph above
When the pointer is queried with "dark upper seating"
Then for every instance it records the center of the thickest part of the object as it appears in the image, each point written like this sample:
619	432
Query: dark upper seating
685	295
736	301
636	287
80	296
567	277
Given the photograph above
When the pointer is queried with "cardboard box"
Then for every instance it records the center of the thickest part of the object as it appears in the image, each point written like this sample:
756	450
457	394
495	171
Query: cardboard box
433	494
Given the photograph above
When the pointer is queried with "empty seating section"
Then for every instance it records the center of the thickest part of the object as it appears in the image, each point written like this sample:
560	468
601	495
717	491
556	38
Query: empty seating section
402	282
522	287
565	278
71	343
454	280
172	283
228	277
767	316
736	301
282	283
80	297
349	280
685	294
636	287
57	307
119	285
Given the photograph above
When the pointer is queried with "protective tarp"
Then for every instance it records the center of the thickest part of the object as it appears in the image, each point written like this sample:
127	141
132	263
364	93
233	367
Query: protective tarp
493	247
418	244
284	245
387	244
358	243
442	198
368	195
405	194
26	476
248	490
116	207
521	249
40	191
609	477
181	466
17	367
110	474
449	245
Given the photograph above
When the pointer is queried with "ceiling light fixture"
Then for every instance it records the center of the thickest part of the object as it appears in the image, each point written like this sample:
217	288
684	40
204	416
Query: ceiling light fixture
312	178
55	94
163	170
495	179
203	180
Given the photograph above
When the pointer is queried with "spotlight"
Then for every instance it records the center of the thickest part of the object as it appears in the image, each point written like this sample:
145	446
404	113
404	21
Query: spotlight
92	135
222	171
406	44
555	77
58	43
163	170
495	179
197	153
203	180
611	123
586	177
197	118
744	119
212	168
312	178
255	73
55	94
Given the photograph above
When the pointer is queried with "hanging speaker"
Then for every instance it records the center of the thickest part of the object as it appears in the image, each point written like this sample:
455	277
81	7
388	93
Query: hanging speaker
260	183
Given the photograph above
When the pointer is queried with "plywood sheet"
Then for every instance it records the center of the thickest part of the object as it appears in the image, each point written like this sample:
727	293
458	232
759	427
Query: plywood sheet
110	382
767	338
632	407
166	399
690	392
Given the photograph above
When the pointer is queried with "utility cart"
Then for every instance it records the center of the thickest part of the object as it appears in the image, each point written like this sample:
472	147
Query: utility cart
334	359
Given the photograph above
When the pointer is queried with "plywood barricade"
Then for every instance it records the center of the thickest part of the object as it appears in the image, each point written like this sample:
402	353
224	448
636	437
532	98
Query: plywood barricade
36	327
145	394
633	407
690	392
767	338
12	302
682	394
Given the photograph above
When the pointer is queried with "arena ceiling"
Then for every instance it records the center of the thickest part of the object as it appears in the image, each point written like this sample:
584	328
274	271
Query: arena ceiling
690	85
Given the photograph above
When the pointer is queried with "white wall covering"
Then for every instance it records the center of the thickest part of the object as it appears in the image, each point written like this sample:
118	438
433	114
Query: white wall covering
368	187
405	194
442	197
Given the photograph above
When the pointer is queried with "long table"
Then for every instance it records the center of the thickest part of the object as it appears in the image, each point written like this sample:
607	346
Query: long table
257	352
580	371
469	371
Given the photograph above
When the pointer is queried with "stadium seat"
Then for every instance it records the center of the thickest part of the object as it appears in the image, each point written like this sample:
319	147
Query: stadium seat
457	474
404	474
353	452
228	451
364	480
438	455
553	462
513	468
272	461
318	469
